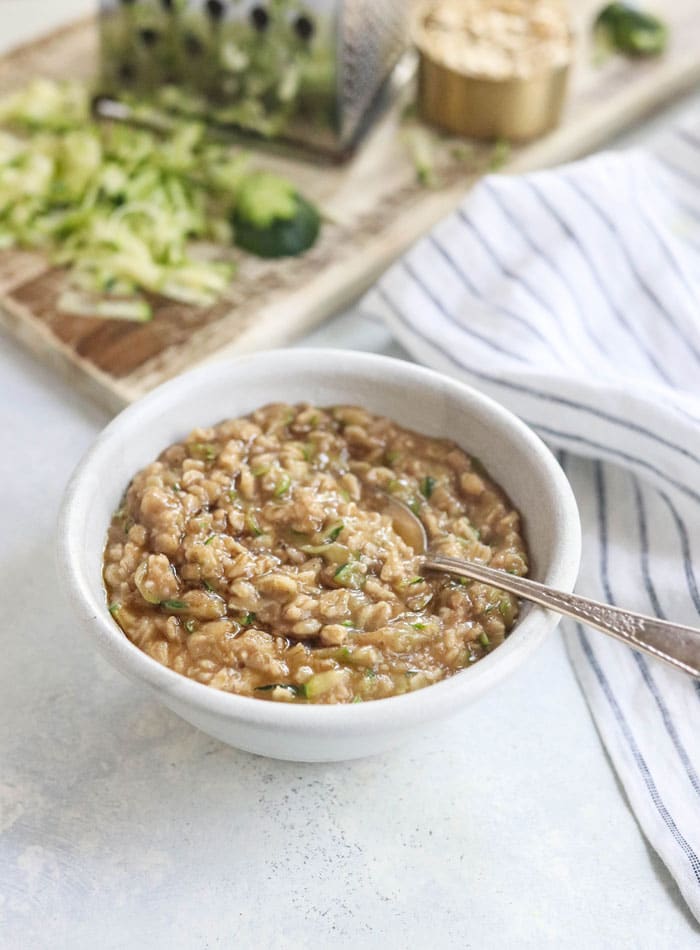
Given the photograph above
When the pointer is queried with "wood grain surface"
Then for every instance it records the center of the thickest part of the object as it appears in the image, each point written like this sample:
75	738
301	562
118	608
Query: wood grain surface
374	208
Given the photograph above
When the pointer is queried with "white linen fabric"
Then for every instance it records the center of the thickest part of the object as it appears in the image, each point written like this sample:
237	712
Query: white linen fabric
573	297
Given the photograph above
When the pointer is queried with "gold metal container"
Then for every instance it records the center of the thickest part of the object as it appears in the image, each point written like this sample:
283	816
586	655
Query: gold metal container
514	108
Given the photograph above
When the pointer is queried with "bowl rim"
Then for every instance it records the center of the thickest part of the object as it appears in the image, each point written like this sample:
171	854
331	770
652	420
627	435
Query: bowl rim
392	712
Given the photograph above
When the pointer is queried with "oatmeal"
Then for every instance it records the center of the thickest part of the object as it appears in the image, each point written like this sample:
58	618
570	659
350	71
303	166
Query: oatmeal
495	39
250	557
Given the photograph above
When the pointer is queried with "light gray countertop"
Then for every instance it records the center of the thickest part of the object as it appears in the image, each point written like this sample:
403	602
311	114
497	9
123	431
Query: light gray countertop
122	826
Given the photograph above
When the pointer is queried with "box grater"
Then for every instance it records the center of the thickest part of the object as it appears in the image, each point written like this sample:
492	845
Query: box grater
305	72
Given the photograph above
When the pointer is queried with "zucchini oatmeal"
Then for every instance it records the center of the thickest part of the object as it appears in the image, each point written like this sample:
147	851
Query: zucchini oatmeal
249	557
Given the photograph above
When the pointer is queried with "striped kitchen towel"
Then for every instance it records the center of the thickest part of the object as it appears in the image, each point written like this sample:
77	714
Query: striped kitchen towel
573	297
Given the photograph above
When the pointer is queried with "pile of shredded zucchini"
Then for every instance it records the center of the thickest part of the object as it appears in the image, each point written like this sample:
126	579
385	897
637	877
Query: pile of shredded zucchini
119	206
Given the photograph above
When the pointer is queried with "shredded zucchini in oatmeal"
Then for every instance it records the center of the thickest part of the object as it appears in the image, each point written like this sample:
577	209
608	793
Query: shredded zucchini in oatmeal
249	557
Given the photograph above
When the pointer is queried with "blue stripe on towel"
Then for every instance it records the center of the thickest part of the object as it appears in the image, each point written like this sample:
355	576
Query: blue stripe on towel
637	756
429	295
545	431
604	565
685	547
649	292
585	256
621	456
671	258
518	279
585	324
644	549
449	354
471	287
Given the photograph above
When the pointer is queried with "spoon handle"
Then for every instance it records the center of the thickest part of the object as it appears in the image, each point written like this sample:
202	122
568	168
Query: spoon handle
672	642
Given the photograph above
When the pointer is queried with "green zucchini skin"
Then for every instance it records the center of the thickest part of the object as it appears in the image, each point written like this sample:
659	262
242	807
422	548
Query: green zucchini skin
631	31
284	237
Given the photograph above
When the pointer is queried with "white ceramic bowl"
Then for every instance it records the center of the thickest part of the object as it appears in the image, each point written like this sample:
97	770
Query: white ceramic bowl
414	397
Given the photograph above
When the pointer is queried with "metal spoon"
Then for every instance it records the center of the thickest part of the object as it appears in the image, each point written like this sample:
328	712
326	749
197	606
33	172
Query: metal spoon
675	644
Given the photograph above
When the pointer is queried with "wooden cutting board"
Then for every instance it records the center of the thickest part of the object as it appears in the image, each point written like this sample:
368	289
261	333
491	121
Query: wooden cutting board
375	206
